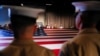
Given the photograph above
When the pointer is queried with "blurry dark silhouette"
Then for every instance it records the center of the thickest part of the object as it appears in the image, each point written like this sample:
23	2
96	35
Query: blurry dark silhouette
87	41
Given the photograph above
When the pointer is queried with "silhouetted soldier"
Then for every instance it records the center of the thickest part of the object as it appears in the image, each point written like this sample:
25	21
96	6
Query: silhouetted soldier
87	42
23	24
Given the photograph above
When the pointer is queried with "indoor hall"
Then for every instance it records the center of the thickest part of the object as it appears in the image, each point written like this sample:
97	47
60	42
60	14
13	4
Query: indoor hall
54	26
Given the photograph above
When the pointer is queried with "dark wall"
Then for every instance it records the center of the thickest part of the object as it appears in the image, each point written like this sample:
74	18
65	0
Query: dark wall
4	16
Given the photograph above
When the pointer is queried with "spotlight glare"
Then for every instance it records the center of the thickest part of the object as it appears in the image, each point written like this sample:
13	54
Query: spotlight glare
49	4
1	7
22	4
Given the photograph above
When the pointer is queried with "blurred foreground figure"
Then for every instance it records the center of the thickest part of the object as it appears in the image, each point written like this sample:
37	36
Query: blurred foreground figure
23	24
87	42
98	26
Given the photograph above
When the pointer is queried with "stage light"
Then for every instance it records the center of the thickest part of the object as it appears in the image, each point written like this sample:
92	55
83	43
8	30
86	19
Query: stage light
9	12
1	7
49	4
61	27
22	4
48	27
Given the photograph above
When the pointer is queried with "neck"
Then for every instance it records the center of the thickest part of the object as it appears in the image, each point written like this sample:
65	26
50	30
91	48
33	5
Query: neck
87	28
24	36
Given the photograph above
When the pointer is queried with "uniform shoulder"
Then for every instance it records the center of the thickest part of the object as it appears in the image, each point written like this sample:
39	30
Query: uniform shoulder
85	38
43	48
66	44
1	54
46	51
9	49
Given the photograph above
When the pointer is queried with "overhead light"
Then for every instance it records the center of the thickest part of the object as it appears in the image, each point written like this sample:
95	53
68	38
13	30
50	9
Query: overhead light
9	12
1	7
22	4
49	4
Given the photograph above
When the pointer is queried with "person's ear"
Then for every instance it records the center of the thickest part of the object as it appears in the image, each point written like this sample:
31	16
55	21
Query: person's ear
10	26
35	27
78	22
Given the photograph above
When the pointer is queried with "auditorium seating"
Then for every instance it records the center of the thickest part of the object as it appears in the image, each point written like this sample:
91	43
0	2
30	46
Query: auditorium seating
54	39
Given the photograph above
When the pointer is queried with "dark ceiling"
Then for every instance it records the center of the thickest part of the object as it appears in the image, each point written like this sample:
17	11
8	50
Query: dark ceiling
58	6
36	2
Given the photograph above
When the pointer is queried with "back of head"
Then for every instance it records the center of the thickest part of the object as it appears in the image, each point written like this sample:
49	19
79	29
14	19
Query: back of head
88	13
90	18
22	17
20	22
